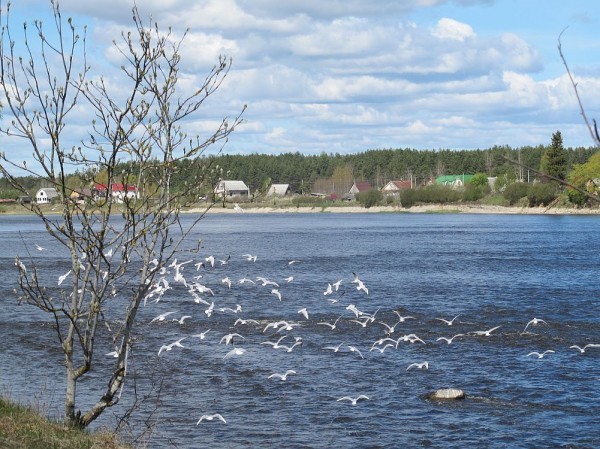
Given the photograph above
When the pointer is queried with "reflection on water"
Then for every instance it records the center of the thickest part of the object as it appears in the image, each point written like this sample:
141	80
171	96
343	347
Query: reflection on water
490	270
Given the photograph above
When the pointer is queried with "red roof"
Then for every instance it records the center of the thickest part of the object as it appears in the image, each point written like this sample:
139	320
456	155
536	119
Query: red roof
363	186
403	185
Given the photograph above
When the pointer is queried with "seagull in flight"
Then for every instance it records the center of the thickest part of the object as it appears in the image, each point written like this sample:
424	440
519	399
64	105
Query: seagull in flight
234	352
201	335
328	290
486	333
161	317
332	326
303	312
353	400
381	350
355	349
360	285
534	322
228	339
334	348
182	319
448	322
291	262
246	321
39	248
211	418
449	340
249	257
540	355
423	365
403	318
170	346
282	376
276	293
62	278
582	350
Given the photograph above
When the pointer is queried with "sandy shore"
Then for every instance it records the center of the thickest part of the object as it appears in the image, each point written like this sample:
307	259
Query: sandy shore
429	208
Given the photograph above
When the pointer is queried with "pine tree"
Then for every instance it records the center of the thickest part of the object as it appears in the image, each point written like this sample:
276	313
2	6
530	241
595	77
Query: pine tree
554	160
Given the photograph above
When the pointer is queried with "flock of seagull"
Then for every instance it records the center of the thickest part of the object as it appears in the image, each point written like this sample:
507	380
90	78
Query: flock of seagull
279	334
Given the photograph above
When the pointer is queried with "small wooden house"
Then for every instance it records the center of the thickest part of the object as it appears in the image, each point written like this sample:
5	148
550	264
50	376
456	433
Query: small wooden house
279	190
231	188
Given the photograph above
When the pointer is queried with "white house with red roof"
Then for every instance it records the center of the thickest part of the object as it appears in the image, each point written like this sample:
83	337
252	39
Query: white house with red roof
116	191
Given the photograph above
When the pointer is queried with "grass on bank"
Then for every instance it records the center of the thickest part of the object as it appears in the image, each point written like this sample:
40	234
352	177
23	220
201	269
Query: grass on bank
22	427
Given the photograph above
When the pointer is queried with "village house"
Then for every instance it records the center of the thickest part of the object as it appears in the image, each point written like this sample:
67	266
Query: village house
46	195
80	195
231	188
117	191
360	187
454	181
279	190
395	187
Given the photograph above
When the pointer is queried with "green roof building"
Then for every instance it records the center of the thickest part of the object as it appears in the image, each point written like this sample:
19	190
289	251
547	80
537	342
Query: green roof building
453	180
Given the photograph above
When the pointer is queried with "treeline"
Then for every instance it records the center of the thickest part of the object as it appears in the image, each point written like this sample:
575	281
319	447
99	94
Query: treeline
259	171
379	167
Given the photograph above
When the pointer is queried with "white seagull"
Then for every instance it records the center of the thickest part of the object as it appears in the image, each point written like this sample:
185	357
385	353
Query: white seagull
276	293
228	339
486	333
282	376
332	326
211	418
249	257
534	322
360	285
62	278
170	346
182	319
540	355
39	248
161	317
424	365
353	400
303	312
234	352
201	335
582	350
355	349
449	340
448	322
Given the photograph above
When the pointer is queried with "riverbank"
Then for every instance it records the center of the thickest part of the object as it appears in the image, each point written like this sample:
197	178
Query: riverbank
22	427
426	208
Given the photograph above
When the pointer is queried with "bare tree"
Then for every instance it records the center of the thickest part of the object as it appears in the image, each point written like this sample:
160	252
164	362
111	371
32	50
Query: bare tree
119	238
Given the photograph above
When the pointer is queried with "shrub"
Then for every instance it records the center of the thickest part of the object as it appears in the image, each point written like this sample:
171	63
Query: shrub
541	194
371	198
475	192
515	191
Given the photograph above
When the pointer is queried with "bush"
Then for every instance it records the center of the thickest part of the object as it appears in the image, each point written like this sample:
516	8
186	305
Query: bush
515	191
541	194
474	192
371	198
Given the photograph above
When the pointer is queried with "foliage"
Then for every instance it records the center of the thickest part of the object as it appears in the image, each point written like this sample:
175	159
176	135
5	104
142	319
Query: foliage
371	198
582	176
554	161
515	191
113	244
475	192
479	180
541	194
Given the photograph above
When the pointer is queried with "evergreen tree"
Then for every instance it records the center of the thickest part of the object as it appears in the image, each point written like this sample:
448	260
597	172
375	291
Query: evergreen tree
554	160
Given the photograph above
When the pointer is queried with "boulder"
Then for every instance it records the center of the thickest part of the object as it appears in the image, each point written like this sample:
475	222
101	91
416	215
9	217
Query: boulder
447	393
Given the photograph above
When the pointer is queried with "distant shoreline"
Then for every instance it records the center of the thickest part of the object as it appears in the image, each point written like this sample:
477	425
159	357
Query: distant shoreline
427	208
422	209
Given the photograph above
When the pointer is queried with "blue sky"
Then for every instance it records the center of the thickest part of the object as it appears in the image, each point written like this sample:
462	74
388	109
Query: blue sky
345	76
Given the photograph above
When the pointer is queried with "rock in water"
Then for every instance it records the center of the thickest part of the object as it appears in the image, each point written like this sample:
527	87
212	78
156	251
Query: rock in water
447	393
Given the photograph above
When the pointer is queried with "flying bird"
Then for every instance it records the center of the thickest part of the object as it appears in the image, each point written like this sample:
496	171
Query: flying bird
448	322
211	418
353	400
161	317
582	350
62	278
534	322
282	376
451	339
540	355
423	365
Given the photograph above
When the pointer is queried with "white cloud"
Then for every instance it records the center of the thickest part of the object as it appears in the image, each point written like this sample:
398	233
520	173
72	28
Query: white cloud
453	30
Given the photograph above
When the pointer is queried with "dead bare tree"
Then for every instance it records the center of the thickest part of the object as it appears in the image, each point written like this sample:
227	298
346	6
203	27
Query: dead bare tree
593	130
115	241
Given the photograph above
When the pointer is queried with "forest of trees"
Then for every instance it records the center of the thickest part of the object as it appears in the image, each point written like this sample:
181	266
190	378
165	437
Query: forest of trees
304	172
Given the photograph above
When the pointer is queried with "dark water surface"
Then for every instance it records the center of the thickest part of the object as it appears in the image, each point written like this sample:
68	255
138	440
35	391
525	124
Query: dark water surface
491	270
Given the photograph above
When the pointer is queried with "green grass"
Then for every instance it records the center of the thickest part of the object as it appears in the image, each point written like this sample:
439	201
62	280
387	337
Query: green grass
22	427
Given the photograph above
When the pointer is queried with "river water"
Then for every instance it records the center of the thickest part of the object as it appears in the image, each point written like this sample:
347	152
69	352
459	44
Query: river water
490	270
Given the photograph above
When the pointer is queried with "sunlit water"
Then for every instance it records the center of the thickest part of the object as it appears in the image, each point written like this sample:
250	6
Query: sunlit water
492	270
